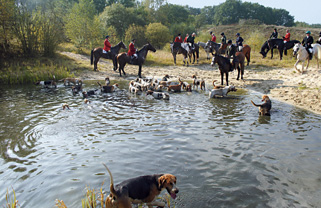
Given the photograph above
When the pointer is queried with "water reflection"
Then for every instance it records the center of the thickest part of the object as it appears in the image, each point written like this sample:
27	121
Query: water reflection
222	152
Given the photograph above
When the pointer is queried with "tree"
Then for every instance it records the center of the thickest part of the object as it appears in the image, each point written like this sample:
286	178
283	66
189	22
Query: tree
120	17
82	26
157	34
137	32
170	14
7	8
229	12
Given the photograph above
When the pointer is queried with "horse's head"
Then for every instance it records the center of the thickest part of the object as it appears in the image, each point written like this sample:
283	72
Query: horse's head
208	44
150	47
122	45
296	48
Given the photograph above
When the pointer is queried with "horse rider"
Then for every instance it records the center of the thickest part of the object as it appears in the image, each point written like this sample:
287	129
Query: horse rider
191	40
287	36
107	46
186	37
213	37
229	48
223	38
274	35
178	39
306	42
132	51
239	42
319	40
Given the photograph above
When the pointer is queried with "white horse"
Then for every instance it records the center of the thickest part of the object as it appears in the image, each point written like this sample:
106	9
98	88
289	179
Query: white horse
206	49
302	55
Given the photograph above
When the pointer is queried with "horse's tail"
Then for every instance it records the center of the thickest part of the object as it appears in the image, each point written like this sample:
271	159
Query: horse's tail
92	57
319	51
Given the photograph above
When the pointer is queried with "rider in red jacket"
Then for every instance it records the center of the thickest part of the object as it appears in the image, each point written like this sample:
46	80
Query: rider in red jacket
178	39
107	45
213	37
132	49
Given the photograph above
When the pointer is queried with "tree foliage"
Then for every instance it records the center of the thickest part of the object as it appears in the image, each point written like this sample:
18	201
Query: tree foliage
82	26
136	32
158	34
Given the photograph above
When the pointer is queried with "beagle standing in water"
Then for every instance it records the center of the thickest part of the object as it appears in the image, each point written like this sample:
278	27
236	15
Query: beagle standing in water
264	109
139	190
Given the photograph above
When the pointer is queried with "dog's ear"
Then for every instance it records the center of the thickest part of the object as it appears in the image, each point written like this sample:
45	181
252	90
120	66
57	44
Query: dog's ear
161	181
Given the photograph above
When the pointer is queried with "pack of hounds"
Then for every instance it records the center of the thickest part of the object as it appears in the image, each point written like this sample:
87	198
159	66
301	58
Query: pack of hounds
145	189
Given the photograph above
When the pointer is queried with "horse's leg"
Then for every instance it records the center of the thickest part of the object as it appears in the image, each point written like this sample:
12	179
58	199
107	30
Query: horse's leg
238	72
271	53
307	64
174	56
295	65
281	53
242	70
222	76
226	74
193	57
248	58
140	71
115	63
197	56
208	55
95	63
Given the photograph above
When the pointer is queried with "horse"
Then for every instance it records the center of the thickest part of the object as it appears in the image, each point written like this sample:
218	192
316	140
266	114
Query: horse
206	49
246	51
194	50
179	48
288	45
141	56
97	53
238	63
224	66
213	46
302	55
279	44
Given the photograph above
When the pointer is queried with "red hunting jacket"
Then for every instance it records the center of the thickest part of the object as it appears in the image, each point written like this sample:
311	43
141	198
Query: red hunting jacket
132	49
185	40
107	45
287	37
178	39
214	38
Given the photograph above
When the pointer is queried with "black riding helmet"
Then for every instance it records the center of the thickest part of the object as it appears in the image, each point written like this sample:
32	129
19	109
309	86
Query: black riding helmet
222	33
229	41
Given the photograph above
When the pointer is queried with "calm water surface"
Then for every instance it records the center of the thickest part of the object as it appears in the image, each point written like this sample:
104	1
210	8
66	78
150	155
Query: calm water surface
222	152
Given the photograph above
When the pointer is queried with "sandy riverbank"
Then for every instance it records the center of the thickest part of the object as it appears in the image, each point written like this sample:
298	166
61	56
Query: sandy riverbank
302	90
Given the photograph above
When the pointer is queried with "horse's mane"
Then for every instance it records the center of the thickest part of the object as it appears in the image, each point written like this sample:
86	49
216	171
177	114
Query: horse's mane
143	48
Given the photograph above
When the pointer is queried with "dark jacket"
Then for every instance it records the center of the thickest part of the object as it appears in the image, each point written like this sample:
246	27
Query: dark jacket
223	39
239	41
307	41
274	35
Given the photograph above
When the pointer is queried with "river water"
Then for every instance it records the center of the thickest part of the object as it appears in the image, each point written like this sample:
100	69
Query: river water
222	153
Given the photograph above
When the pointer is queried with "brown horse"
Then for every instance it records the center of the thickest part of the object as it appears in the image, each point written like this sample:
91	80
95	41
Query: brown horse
238	63
97	53
246	51
176	48
141	56
224	66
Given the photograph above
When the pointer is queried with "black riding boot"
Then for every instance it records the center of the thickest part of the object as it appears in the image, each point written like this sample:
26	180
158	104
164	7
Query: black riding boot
310	56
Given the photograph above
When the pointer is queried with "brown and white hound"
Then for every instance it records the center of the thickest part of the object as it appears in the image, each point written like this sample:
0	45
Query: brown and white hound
264	109
197	82
139	190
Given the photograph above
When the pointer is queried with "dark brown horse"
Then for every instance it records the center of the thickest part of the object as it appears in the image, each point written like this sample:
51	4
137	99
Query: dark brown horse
246	51
224	66
176	48
97	53
195	51
279	44
123	59
238	63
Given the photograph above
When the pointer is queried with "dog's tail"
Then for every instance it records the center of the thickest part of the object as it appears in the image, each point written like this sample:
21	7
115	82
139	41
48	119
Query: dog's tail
112	189
214	83
99	84
255	104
